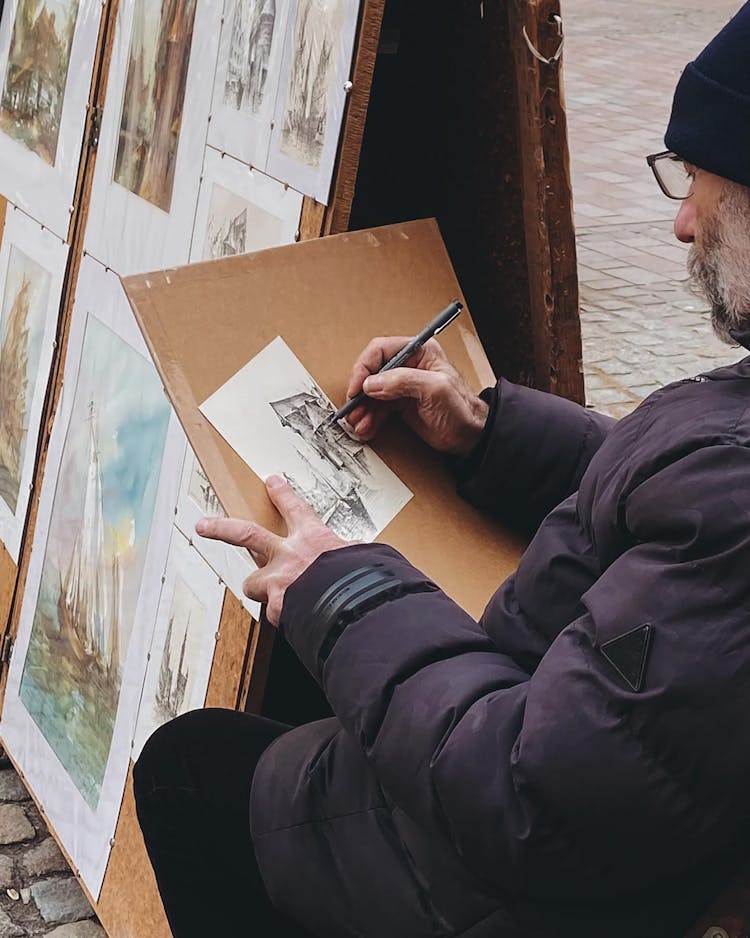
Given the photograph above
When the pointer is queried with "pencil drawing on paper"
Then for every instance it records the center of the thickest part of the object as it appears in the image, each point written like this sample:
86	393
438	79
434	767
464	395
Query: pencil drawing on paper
154	99
273	399
337	494
202	492
249	54
22	321
94	556
236	226
186	617
316	34
34	88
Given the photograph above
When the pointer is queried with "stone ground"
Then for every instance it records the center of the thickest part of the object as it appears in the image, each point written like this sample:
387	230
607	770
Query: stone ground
641	326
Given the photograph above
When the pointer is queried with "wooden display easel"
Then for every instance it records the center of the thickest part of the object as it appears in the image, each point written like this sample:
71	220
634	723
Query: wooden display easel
449	116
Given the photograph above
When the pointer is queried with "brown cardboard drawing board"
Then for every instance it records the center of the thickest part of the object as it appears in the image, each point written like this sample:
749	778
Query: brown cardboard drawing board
327	298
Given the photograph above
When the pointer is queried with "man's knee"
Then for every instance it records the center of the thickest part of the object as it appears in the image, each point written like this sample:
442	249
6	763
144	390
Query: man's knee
166	760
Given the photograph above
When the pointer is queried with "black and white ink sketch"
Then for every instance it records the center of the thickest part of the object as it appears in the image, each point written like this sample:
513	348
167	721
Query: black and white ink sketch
249	54
236	226
277	419
202	492
316	34
337	496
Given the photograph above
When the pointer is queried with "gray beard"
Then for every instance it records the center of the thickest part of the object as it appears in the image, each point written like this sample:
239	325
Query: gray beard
720	267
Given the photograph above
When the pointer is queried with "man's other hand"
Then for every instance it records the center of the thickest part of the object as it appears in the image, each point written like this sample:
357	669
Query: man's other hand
280	559
431	396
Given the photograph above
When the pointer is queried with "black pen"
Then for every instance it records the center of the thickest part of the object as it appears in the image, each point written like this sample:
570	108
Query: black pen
443	319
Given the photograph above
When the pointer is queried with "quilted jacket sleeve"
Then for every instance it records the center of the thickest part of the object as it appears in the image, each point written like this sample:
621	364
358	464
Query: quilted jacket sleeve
567	783
533	453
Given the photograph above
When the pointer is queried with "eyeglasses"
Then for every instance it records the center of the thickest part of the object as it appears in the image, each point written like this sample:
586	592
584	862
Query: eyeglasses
674	179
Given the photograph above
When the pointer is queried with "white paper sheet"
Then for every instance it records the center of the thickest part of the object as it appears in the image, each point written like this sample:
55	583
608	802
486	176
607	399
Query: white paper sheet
240	210
148	168
94	580
184	640
198	500
32	267
312	94
274	415
43	108
247	78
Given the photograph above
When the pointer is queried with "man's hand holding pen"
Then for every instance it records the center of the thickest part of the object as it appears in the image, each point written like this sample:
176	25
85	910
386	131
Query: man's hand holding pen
430	395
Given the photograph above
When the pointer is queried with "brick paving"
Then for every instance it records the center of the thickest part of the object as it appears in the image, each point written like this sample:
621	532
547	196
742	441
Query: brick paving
641	325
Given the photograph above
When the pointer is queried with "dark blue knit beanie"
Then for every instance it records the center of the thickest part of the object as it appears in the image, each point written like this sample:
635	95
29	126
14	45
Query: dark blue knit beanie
710	124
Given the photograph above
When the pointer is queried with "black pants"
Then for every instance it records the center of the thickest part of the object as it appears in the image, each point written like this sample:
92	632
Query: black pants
192	789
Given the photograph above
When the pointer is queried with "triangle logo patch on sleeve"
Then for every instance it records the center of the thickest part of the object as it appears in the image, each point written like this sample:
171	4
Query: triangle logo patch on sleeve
628	654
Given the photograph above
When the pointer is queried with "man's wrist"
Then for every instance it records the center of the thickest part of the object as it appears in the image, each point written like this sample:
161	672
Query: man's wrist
471	434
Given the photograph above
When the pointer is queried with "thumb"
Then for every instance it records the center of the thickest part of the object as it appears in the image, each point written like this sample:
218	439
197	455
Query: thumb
403	382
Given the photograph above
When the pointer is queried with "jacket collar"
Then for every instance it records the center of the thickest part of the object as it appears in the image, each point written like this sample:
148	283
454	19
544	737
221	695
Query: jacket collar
741	338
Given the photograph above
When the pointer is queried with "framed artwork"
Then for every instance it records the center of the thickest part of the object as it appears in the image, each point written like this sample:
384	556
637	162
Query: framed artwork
241	210
94	579
311	101
153	134
247	78
32	267
44	102
198	500
182	648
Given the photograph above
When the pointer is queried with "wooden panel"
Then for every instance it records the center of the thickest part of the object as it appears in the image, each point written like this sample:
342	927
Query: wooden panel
547	200
129	905
232	655
8	572
312	220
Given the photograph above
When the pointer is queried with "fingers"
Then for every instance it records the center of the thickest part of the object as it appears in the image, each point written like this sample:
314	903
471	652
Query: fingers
255	586
294	510
407	382
372	359
246	534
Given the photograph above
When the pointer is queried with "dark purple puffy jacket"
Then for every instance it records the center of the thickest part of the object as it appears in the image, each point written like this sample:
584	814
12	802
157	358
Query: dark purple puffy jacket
507	778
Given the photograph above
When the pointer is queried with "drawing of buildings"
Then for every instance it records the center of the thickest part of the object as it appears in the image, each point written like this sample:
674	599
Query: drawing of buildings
231	237
249	55
337	494
307	102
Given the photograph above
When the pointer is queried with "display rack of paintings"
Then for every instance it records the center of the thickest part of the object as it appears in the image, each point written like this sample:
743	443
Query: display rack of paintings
247	78
47	50
94	576
184	638
310	104
32	267
199	500
153	134
241	210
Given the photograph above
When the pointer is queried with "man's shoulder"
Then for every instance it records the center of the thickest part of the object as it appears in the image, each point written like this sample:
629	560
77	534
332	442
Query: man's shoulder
711	409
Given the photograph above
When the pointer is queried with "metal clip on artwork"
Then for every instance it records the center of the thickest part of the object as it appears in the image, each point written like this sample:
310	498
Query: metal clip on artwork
537	54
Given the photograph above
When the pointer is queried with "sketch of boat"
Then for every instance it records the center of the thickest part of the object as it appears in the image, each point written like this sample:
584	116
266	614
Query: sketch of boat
89	600
14	363
170	692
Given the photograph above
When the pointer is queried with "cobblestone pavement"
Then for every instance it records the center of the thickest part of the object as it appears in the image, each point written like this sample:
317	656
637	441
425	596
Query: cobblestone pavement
641	325
39	896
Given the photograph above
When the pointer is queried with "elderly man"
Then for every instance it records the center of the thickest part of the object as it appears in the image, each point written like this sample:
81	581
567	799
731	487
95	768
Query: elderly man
578	762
